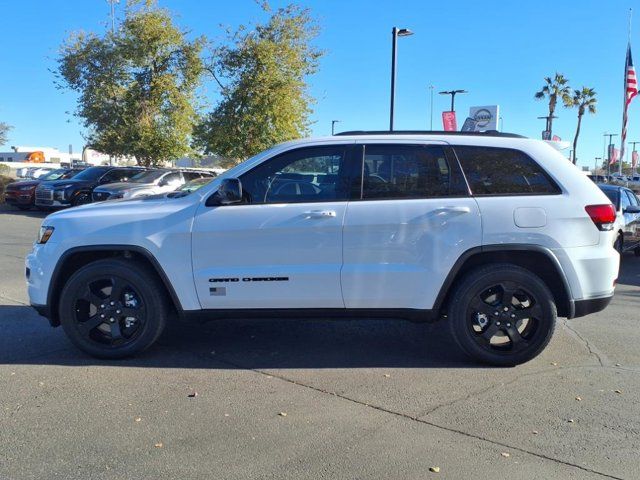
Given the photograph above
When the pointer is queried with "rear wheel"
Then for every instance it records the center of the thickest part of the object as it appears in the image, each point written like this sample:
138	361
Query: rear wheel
619	244
502	315
113	308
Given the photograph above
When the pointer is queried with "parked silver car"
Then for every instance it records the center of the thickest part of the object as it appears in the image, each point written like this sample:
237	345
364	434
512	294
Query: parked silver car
627	224
150	182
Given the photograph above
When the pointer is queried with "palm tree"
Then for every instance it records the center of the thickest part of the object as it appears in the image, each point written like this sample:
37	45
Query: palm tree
554	88
584	100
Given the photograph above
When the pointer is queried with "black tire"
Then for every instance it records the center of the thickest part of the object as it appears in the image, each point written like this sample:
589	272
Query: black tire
129	325
81	198
502	315
619	244
636	251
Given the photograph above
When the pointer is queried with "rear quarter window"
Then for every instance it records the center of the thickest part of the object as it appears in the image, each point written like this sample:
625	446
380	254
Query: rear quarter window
503	171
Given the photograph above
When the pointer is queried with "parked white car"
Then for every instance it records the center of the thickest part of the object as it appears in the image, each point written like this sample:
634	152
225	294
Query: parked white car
495	234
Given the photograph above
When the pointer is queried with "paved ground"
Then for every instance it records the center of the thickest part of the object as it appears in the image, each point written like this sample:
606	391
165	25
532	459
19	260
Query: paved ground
363	399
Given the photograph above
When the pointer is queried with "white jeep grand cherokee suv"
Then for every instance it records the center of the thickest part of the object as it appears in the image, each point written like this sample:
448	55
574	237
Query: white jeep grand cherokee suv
495	234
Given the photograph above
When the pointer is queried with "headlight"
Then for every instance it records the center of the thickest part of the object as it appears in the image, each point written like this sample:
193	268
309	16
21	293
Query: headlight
45	234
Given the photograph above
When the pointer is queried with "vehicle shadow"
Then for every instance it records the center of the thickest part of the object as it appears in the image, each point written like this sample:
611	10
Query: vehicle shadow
629	270
248	344
9	211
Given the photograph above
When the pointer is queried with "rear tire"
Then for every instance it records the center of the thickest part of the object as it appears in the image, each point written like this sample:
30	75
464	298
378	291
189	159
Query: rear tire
619	244
502	314
113	308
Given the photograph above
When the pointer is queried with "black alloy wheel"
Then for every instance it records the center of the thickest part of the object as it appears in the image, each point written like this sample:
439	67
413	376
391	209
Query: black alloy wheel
503	315
113	308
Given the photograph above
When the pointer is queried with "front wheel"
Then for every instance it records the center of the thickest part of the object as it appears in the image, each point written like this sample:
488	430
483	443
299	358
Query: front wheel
502	315
81	199
113	308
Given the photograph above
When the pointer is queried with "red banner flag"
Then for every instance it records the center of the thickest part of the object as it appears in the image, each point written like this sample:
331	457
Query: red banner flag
634	159
613	154
449	123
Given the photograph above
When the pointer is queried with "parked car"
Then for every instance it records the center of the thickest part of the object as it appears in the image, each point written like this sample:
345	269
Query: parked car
77	190
495	233
194	185
627	224
21	194
150	182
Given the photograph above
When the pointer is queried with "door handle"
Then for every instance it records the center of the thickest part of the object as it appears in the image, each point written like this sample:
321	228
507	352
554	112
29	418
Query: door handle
320	214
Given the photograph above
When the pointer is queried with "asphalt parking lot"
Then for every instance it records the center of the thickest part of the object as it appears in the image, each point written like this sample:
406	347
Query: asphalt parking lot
314	398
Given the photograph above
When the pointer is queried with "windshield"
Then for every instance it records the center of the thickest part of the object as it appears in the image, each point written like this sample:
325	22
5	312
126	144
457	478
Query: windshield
91	174
613	196
147	177
55	175
193	185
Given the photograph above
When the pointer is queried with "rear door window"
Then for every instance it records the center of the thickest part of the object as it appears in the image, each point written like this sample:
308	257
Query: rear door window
503	171
409	171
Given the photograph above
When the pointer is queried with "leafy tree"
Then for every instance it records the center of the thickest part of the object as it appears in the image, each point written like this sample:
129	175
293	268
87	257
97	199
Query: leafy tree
4	130
584	100
136	86
556	88
261	74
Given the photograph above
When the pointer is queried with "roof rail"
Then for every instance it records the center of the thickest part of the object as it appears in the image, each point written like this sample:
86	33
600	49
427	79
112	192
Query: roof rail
488	133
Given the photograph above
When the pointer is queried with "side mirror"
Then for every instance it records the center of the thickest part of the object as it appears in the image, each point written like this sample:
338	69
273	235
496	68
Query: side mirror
632	209
229	192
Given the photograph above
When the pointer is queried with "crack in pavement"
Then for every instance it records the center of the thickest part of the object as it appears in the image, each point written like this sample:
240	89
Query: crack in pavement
420	420
600	356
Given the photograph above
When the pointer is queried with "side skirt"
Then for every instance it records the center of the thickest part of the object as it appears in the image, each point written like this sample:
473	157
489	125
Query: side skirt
413	315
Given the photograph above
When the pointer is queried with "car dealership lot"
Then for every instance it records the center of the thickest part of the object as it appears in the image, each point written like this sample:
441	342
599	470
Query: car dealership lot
363	399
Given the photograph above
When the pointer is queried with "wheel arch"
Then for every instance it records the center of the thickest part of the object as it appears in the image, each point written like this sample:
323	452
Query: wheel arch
77	257
535	258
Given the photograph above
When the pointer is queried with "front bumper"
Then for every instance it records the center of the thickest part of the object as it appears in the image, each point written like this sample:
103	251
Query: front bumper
18	198
52	203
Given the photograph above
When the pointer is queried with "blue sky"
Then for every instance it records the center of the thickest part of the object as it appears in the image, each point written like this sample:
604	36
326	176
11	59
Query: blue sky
498	50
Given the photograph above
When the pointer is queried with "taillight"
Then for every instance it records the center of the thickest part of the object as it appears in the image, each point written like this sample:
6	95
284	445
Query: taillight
602	215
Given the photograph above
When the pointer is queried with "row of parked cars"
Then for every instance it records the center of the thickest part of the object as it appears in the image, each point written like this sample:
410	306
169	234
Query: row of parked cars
68	187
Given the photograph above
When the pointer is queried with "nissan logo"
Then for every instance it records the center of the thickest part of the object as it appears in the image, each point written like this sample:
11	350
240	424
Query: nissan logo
483	117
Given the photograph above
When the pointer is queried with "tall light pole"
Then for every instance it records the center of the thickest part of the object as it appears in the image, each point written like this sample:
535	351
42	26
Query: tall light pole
453	94
113	15
546	119
595	166
431	107
333	125
501	120
395	33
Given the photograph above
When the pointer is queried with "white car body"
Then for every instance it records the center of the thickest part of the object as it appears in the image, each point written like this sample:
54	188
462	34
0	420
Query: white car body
343	255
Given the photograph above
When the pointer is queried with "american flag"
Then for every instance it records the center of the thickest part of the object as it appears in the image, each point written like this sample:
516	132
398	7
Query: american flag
630	91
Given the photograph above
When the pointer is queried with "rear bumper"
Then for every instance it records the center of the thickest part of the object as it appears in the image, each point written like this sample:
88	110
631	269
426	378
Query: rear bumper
590	305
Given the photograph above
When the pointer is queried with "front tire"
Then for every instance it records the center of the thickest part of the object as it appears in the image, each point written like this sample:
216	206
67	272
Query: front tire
81	198
113	308
503	315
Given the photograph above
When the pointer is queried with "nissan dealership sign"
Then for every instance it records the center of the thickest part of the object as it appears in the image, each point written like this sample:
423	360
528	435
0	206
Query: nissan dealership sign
484	118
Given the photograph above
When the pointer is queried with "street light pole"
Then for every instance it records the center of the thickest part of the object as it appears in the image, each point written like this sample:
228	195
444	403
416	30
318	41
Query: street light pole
395	33
333	125
546	119
453	96
431	108
595	166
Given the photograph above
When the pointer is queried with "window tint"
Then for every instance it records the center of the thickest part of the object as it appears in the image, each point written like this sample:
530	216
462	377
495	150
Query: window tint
303	175
191	175
632	198
612	195
401	171
503	171
172	179
624	200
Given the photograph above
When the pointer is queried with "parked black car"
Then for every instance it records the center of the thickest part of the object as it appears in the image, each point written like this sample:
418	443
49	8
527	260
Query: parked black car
627	218
77	191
